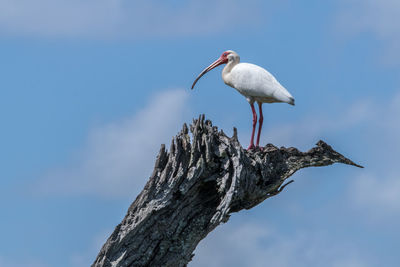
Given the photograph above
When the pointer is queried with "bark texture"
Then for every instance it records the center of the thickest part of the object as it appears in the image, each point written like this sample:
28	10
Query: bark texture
194	187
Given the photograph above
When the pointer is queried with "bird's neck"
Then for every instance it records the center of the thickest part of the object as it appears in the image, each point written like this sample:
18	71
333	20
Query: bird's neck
229	66
226	77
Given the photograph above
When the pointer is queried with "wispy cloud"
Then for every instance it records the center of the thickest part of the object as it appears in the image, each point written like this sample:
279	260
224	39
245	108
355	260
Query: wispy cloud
253	244
376	129
118	157
377	191
135	19
379	18
312	127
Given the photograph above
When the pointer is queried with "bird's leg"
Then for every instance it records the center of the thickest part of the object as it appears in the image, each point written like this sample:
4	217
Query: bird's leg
251	146
260	123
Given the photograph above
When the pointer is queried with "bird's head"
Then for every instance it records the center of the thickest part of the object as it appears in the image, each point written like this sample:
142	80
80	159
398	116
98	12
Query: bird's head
227	56
231	56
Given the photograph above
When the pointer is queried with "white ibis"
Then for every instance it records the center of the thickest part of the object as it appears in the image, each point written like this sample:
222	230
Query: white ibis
253	82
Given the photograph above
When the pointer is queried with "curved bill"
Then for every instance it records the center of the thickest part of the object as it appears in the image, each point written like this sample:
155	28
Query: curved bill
213	65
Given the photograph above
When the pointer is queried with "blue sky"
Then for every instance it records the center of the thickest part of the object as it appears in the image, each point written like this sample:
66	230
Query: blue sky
90	89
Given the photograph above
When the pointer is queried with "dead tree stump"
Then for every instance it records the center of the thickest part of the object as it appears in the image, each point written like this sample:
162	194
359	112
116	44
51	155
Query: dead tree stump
194	187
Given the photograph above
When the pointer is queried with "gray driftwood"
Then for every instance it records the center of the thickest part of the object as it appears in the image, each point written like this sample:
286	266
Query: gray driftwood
194	187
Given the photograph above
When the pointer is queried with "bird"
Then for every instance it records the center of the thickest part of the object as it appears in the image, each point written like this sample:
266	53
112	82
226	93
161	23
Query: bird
255	83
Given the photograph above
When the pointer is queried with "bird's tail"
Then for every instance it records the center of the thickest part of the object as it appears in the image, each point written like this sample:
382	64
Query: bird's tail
291	102
284	96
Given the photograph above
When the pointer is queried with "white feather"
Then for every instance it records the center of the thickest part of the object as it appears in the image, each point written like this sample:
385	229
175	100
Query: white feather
255	83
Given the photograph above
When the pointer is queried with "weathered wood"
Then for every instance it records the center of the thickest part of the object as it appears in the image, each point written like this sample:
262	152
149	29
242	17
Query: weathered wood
194	187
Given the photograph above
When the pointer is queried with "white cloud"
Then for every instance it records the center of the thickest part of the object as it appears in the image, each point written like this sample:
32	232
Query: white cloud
124	19
377	194
257	245
231	246
378	17
377	190
311	128
119	157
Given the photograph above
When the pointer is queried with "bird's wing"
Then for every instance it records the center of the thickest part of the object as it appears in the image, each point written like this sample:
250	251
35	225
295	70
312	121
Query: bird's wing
252	80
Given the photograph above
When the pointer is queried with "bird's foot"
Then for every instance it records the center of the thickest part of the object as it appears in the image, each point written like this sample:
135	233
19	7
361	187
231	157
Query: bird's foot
251	147
260	148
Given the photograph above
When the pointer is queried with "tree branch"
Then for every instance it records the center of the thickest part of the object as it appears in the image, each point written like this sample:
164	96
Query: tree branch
194	187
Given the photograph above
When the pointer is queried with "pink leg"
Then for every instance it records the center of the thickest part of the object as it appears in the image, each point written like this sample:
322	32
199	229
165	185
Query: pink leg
251	146
260	121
